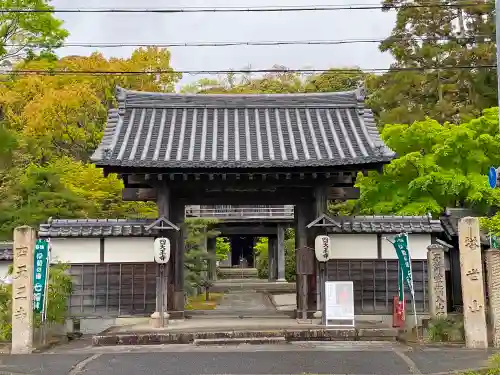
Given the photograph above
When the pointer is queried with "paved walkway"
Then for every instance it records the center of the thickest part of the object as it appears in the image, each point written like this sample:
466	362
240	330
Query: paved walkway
354	358
245	302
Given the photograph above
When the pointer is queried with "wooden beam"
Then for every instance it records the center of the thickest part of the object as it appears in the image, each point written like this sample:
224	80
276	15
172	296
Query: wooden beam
277	179
138	194
246	230
280	196
336	193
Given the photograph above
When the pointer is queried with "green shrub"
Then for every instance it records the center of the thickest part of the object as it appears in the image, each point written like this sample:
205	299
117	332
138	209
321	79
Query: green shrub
222	248
262	257
60	287
446	329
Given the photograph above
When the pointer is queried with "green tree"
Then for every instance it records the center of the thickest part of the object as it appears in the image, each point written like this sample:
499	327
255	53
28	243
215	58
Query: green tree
430	37
28	34
34	195
262	255
59	290
222	248
196	256
64	188
335	80
279	82
438	166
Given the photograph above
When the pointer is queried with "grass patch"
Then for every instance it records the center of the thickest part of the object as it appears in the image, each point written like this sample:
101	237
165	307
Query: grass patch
199	302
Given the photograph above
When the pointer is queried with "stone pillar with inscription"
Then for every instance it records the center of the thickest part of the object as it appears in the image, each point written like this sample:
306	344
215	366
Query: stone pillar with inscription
436	281
472	283
492	257
22	290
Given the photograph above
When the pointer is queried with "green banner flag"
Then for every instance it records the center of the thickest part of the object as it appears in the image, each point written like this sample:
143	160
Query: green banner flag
493	241
401	246
40	275
401	286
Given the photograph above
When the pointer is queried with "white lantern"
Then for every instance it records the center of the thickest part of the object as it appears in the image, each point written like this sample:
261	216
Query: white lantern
323	248
161	248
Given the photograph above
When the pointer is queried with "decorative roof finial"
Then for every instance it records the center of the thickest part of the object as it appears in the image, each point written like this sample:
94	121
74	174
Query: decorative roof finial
120	93
360	92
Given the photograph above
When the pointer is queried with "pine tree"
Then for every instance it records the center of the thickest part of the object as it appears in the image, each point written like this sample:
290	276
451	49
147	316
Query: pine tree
432	37
196	256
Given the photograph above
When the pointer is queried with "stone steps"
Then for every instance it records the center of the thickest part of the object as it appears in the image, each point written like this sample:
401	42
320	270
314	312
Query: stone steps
241	340
237	273
257	285
290	334
260	314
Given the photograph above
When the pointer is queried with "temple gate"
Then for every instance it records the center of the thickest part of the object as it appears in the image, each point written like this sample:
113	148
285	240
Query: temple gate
286	149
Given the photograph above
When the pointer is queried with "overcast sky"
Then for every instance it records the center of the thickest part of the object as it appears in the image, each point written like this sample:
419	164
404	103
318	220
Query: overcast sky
219	27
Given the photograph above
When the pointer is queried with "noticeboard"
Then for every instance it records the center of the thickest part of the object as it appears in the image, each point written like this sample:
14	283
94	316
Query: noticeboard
339	303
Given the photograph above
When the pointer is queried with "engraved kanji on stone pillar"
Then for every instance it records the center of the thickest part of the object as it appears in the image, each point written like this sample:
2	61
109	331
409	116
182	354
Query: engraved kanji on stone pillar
472	283
493	274
22	290
436	281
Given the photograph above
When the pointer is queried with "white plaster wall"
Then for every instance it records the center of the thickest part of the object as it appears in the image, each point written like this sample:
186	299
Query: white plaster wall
122	250
75	250
354	246
417	243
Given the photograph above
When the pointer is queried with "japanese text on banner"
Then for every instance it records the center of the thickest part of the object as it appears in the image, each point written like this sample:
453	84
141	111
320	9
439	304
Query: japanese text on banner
401	246
40	274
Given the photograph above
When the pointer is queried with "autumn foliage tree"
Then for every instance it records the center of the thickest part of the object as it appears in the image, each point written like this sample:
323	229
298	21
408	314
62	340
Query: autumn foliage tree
50	125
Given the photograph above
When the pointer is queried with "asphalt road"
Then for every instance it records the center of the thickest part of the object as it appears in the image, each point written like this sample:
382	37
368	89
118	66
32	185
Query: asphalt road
312	358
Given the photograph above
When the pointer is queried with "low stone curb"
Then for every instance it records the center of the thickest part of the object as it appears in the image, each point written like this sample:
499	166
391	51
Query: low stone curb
155	338
242	340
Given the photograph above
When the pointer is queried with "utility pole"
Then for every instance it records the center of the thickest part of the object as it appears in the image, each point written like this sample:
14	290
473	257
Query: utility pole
497	35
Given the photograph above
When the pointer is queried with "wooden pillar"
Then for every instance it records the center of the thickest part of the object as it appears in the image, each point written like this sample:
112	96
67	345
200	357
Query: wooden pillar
280	253
173	210
163	206
301	217
456	279
320	208
177	281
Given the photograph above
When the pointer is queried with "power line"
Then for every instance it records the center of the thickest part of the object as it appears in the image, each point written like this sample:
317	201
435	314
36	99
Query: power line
60	72
242	9
250	43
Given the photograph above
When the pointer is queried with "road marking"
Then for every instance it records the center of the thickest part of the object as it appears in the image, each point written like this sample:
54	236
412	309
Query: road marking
78	368
412	366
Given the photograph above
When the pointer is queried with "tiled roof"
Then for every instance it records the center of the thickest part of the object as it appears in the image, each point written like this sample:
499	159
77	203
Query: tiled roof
451	218
95	228
137	228
240	131
6	251
386	224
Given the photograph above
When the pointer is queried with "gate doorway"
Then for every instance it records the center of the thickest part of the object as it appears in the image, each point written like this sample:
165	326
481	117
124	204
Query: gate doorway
242	252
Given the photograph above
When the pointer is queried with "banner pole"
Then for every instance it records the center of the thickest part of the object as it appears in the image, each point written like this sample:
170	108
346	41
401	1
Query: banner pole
403	299
412	289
